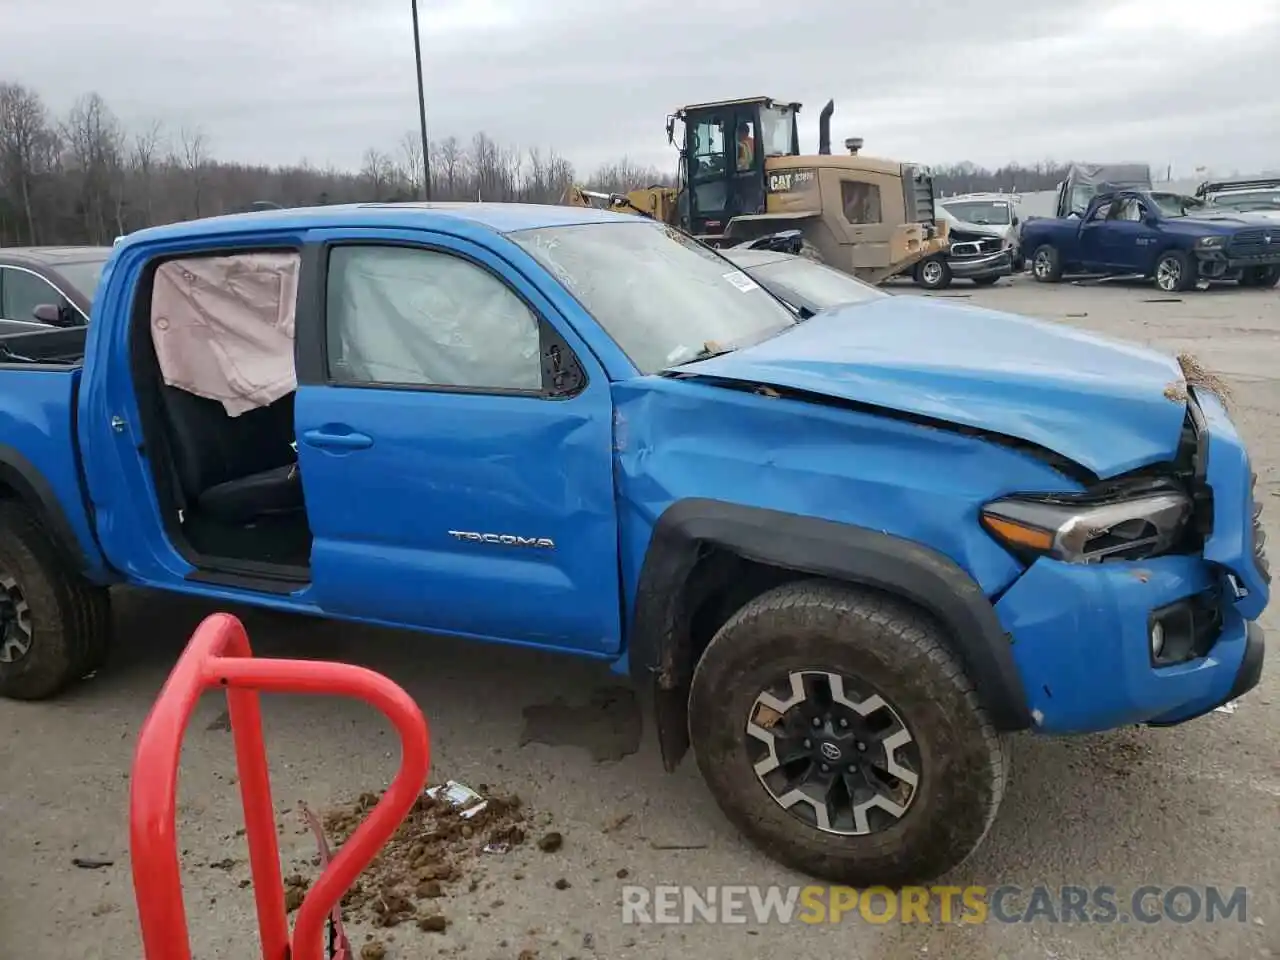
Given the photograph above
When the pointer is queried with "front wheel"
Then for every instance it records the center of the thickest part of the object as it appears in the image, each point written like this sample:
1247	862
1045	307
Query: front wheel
1046	264
1175	272
838	733
933	274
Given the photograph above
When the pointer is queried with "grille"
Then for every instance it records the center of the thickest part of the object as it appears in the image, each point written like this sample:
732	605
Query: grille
975	248
1256	242
1259	534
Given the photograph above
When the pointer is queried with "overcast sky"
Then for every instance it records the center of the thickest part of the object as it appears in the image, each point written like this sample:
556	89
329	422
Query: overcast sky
1181	82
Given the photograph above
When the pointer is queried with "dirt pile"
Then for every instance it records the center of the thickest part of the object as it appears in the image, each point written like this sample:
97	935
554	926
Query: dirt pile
434	850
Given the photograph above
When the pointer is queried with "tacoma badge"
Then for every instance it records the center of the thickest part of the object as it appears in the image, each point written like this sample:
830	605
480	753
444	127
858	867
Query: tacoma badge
503	539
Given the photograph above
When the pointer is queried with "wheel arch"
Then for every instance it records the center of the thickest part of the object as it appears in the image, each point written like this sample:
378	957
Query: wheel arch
682	573
22	481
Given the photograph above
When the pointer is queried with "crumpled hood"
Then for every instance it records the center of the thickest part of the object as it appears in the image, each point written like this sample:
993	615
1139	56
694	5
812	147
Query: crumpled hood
1003	231
1098	402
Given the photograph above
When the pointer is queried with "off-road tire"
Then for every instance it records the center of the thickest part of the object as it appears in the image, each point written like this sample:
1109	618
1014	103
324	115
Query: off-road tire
1046	264
1262	277
1187	272
985	281
70	617
899	651
932	273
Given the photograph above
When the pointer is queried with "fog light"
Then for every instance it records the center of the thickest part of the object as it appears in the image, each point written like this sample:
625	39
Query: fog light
1157	639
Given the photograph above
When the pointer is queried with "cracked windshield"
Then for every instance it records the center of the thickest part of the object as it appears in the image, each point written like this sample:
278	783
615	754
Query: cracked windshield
663	297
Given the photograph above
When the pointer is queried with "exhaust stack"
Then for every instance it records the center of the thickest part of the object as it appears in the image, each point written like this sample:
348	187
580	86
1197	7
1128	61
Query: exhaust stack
824	128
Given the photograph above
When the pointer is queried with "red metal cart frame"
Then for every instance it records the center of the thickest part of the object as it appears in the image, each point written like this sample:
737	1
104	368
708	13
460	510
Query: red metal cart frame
219	655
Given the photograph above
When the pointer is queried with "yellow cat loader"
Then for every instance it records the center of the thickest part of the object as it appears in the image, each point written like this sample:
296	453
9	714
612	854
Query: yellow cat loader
744	180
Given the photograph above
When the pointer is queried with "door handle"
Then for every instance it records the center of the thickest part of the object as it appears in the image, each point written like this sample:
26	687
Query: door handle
337	441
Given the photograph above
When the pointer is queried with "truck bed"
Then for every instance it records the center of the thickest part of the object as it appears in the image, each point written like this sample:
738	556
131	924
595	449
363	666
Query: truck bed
39	450
54	346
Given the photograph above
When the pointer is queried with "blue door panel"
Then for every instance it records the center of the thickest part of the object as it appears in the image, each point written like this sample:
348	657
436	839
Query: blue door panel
486	514
384	516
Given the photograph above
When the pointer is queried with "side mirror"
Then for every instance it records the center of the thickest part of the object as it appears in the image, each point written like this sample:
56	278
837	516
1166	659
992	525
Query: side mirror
49	313
1015	221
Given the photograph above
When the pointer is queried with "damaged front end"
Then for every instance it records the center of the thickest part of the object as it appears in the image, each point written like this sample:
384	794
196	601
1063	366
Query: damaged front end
1141	594
975	256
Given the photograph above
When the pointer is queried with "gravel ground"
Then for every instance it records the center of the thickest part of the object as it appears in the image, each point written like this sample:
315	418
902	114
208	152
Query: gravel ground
1198	805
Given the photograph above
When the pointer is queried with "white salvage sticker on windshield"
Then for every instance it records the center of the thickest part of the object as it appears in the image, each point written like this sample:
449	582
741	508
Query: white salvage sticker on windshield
741	281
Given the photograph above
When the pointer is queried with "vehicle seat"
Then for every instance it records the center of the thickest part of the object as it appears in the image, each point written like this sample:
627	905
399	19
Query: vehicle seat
233	469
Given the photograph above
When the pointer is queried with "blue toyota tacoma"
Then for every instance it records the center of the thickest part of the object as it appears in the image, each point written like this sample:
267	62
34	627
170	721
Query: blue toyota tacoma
845	554
1175	240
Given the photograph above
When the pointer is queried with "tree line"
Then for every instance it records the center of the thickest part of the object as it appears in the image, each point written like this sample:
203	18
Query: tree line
85	178
967	177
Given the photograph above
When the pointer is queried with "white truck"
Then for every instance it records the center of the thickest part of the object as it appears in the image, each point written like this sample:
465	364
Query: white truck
996	213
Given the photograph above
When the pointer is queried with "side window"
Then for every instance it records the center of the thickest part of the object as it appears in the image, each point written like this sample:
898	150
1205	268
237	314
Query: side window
1081	194
861	201
22	292
709	153
398	315
745	145
1103	211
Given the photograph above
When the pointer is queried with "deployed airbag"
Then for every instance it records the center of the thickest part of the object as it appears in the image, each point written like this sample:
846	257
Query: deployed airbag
223	327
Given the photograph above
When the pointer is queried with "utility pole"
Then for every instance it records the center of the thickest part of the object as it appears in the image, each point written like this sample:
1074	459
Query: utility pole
422	107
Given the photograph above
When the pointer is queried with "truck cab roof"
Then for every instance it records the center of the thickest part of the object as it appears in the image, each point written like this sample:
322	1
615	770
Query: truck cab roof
493	217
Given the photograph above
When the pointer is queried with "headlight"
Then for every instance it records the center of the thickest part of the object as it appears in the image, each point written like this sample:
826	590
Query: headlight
1077	530
1211	243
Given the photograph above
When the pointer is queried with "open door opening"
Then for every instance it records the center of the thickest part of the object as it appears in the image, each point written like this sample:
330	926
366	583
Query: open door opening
214	372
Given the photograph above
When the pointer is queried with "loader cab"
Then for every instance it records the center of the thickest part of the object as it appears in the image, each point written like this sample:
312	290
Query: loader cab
722	160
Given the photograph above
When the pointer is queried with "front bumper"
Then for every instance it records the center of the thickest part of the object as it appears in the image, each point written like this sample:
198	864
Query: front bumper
1081	634
1247	677
992	265
1082	643
1216	262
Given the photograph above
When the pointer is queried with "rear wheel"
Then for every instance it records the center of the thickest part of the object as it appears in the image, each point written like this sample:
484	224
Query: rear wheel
838	733
1175	272
55	627
1260	276
933	273
1046	264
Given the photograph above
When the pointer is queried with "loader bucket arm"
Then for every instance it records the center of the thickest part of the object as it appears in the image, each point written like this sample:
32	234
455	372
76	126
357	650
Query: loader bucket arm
218	655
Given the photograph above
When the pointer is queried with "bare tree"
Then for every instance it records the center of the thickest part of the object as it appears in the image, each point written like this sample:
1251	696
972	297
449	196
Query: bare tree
94	146
411	157
624	175
143	158
451	162
378	172
194	158
26	146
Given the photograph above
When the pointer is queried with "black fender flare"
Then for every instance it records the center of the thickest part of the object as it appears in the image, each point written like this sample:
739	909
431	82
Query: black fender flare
25	479
662	657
